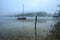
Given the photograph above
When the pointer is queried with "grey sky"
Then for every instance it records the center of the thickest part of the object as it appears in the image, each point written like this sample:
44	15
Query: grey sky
15	6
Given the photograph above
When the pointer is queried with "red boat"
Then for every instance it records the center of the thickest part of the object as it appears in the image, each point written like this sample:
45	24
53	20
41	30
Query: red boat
22	18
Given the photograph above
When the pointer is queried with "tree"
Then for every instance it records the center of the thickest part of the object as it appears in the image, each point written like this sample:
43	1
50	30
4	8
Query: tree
58	5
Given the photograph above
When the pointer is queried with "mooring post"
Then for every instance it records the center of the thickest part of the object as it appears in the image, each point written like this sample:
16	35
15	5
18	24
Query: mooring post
35	28
35	21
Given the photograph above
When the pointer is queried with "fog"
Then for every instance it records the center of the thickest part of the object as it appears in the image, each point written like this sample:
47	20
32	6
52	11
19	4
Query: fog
9	7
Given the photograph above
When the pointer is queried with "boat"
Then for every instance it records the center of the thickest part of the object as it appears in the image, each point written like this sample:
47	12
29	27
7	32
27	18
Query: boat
23	17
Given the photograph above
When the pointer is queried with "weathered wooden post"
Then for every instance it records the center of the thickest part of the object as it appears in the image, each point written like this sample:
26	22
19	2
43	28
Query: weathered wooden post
35	28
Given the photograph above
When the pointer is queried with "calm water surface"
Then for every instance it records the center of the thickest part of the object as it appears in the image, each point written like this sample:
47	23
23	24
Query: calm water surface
11	28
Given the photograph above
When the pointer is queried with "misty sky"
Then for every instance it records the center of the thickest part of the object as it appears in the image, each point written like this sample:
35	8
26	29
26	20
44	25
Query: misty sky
15	6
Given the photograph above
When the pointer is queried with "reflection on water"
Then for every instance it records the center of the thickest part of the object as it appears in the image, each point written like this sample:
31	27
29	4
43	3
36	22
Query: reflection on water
13	29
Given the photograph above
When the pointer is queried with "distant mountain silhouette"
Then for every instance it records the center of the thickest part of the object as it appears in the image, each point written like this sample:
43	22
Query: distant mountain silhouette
32	14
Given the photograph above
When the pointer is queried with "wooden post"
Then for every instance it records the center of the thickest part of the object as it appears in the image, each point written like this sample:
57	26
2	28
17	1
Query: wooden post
35	28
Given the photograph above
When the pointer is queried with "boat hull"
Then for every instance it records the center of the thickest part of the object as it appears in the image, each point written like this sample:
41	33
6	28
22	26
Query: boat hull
21	18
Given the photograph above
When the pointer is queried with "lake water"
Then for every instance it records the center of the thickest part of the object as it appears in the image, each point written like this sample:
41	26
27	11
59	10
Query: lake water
13	29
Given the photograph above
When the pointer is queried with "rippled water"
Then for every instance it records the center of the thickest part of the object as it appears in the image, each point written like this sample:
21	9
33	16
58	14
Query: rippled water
13	29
